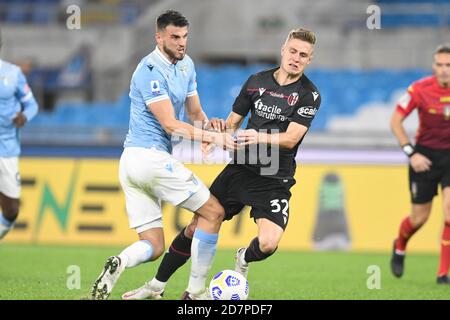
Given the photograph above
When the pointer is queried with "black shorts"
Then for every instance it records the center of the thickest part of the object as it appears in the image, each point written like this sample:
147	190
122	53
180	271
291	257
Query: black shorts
423	186
237	186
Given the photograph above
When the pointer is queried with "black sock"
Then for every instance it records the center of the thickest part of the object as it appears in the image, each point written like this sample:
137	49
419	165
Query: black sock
253	253
9	221
179	252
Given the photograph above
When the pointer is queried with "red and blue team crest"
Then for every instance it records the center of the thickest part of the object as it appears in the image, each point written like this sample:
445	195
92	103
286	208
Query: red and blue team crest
26	88
292	99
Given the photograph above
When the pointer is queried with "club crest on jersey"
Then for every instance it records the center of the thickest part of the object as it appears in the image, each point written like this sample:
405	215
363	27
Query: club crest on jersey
184	70
4	80
155	86
292	99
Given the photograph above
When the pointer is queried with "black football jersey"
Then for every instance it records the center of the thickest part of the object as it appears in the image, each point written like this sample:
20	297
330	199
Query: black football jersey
273	107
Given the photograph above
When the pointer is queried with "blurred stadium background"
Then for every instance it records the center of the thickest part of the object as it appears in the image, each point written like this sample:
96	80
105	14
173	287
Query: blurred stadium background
351	187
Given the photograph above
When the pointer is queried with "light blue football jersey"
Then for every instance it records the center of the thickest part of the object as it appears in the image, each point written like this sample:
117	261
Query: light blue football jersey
15	96
156	79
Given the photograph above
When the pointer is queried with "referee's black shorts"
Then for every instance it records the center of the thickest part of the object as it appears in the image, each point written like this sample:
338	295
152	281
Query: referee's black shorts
423	186
236	187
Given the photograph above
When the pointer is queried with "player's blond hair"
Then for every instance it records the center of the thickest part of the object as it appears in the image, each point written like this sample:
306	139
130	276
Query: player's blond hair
302	34
442	48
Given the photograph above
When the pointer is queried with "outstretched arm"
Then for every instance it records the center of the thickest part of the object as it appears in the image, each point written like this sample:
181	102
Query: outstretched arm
288	139
194	111
299	122
165	114
233	122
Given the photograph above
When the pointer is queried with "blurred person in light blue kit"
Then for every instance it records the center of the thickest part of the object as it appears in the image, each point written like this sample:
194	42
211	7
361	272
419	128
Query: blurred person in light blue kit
17	107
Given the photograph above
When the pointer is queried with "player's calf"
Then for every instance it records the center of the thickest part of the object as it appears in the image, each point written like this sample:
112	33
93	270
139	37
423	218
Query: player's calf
252	253
10	211
268	247
5	225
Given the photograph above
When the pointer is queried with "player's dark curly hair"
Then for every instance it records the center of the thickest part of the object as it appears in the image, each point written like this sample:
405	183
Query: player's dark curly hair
171	17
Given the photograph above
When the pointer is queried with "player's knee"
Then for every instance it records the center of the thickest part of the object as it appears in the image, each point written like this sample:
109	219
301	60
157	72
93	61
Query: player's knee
420	219
190	229
217	213
220	214
420	215
158	250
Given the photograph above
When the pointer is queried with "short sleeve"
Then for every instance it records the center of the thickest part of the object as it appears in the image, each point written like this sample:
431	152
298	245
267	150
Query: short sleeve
192	86
407	102
243	102
23	92
306	109
151	84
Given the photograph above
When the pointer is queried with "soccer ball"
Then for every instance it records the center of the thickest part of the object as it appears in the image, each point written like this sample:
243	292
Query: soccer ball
228	285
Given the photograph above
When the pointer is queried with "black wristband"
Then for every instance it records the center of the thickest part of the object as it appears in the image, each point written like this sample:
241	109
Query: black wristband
408	149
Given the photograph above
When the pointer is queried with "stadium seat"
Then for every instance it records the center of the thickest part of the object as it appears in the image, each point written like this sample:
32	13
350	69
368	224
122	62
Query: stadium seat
43	14
219	86
129	14
17	13
408	20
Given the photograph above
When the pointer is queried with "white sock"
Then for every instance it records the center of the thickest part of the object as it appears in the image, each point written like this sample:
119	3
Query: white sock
137	253
203	249
157	285
5	225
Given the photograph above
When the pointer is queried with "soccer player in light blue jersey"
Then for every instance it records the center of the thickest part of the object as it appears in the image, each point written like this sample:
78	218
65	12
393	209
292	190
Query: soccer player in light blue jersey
17	107
162	84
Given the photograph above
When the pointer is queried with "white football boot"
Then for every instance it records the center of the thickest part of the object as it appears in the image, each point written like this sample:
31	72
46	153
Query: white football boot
144	292
201	296
105	282
239	265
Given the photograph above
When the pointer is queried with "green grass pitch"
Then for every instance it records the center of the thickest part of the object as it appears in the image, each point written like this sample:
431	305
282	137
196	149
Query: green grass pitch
43	272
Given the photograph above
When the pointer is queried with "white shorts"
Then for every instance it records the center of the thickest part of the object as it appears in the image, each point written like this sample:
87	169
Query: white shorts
148	176
10	177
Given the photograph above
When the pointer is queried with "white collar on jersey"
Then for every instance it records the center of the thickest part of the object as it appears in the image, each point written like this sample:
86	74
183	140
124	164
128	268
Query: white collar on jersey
163	57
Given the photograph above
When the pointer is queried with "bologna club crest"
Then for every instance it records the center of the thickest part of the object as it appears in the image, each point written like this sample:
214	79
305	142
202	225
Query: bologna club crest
292	99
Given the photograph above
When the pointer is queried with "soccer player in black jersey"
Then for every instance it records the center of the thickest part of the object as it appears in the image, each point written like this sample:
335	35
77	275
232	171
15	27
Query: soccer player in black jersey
282	102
